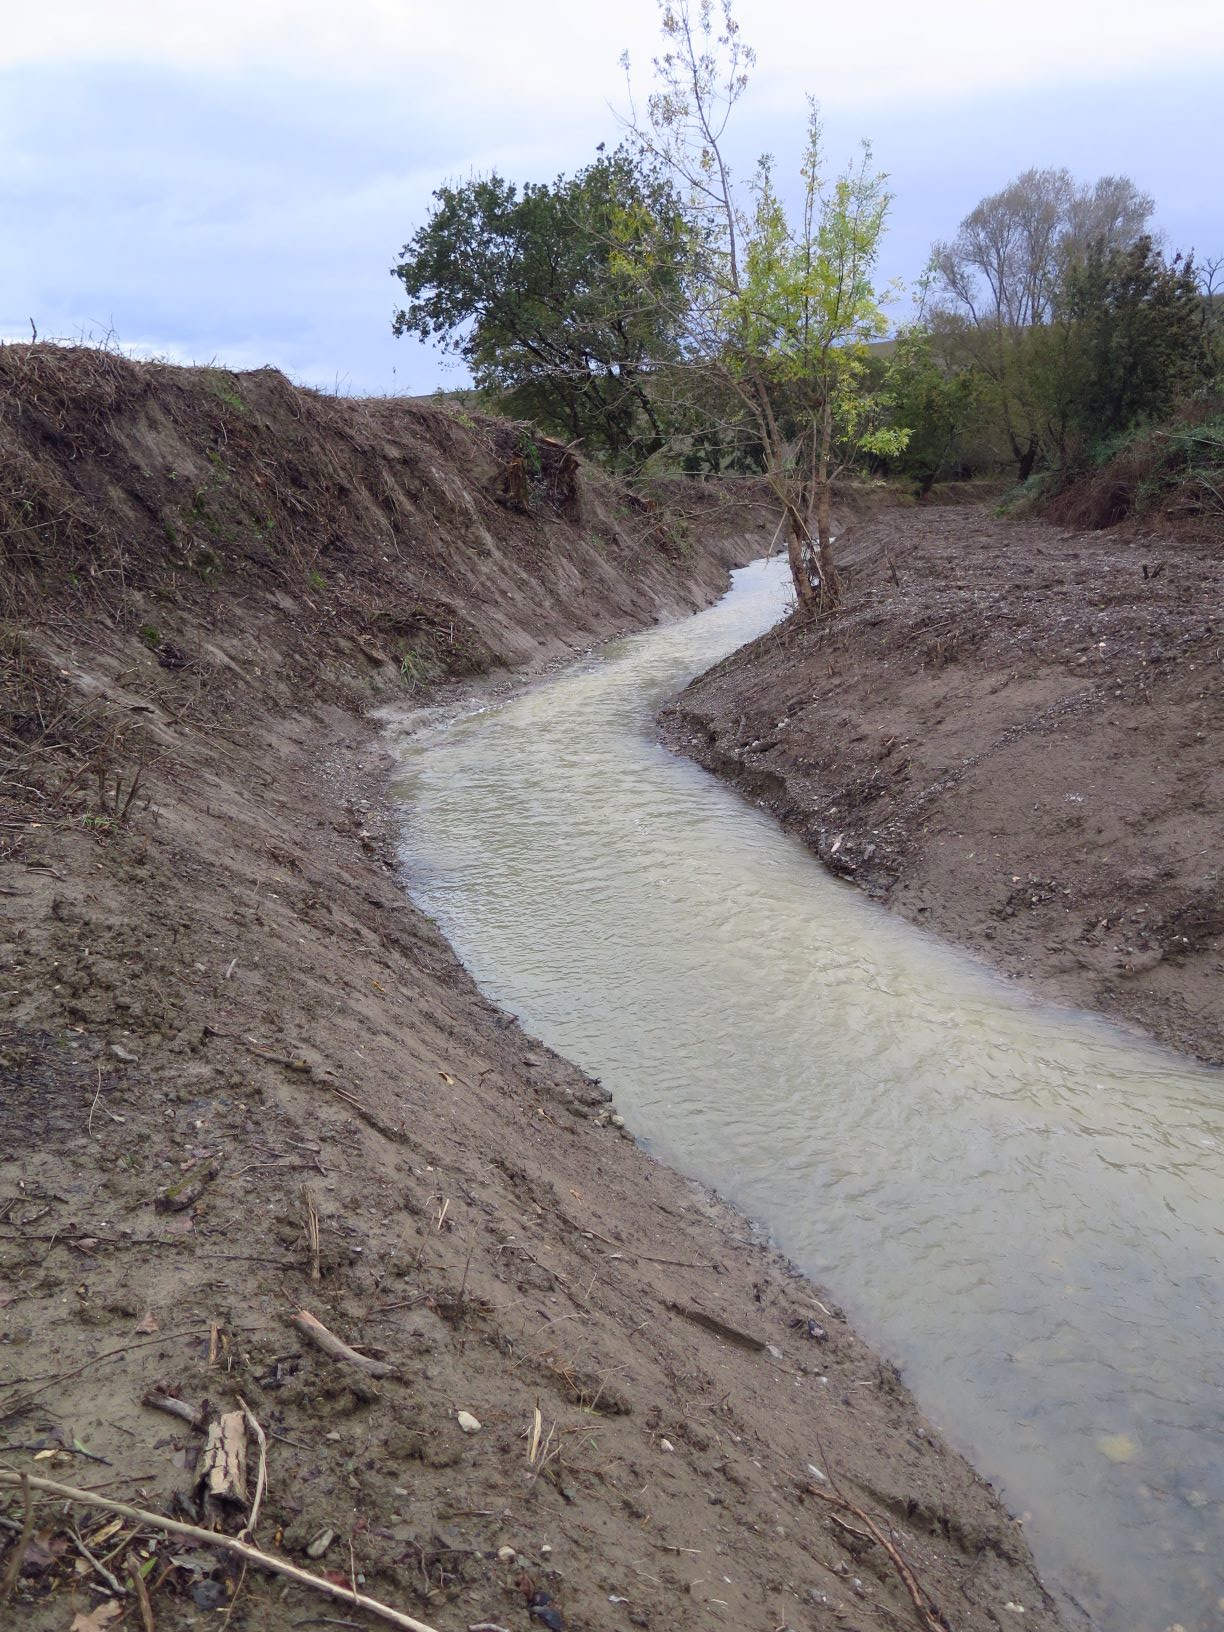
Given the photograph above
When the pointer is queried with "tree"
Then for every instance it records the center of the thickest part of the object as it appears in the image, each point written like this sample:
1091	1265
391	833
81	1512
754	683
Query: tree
1136	325
1003	280
560	298
939	405
779	311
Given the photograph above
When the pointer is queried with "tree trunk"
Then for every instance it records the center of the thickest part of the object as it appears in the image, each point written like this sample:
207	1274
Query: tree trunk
1027	460
830	583
797	547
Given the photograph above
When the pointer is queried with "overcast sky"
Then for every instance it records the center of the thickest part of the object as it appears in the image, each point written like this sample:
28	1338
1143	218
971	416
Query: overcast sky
233	180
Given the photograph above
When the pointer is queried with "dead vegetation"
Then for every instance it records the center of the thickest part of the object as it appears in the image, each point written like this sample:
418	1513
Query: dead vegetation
460	1344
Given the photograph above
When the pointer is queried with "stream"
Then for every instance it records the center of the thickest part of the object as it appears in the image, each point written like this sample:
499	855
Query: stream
1020	1205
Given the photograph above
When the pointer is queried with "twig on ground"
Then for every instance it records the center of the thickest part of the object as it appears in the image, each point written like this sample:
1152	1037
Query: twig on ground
213	1538
319	1335
312	1234
261	1477
119	1590
93	1107
142	1594
928	1615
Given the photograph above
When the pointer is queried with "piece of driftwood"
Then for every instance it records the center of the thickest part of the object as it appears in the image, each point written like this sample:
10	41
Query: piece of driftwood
719	1327
182	1409
213	1538
319	1335
222	1470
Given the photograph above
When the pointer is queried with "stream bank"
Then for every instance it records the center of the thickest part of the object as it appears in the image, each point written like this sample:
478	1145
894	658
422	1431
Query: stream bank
1014	737
223	1017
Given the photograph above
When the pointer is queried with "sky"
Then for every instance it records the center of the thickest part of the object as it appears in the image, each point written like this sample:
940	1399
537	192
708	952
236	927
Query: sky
232	182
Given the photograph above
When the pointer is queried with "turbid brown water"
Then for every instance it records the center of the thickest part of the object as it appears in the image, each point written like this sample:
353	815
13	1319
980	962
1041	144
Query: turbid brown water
1021	1205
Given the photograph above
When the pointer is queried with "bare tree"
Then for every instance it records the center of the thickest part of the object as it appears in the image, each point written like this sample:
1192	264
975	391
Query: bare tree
1000	281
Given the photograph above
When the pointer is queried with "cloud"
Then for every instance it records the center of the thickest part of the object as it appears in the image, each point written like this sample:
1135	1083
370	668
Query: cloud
236	181
488	53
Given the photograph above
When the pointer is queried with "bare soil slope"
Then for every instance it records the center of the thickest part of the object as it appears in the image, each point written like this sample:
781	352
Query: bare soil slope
1014	735
241	1076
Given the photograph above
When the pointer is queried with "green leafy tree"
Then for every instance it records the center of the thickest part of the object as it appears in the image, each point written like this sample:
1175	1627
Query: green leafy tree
940	406
561	298
780	308
1135	338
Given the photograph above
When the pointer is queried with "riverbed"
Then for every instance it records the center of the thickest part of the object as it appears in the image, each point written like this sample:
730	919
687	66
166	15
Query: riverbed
1021	1206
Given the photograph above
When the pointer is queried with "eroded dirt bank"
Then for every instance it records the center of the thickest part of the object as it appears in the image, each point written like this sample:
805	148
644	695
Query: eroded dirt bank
223	1020
1014	735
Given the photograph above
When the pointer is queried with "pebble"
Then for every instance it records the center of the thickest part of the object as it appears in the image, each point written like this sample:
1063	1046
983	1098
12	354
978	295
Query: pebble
467	1422
320	1544
666	1445
506	1555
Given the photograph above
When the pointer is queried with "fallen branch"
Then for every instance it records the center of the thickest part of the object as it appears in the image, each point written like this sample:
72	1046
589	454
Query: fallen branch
319	1335
929	1617
211	1538
185	1412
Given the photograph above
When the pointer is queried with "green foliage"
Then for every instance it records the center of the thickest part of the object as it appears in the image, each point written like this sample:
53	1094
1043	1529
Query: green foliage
1001	287
1134	339
940	407
561	298
781	308
226	387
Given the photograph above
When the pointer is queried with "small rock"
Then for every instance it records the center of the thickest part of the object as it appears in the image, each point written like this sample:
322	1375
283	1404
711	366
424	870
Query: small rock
666	1445
505	1555
320	1544
774	1350
124	1054
467	1422
616	1120
545	1550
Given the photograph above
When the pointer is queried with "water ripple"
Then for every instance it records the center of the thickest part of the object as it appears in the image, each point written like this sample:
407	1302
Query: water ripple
1022	1205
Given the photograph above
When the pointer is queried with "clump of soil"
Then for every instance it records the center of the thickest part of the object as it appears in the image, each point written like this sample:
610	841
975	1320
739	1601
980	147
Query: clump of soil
241	1076
1014	736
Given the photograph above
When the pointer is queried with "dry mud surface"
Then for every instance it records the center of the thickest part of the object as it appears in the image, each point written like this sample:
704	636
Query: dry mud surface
1013	735
242	1077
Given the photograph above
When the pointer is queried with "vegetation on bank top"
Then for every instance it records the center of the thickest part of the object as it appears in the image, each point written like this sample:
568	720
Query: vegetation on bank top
661	314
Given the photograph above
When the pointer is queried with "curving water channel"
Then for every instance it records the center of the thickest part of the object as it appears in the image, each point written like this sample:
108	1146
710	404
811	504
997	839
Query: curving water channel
1021	1205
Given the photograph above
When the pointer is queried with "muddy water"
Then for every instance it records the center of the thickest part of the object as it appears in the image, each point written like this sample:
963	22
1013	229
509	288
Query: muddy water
1020	1205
